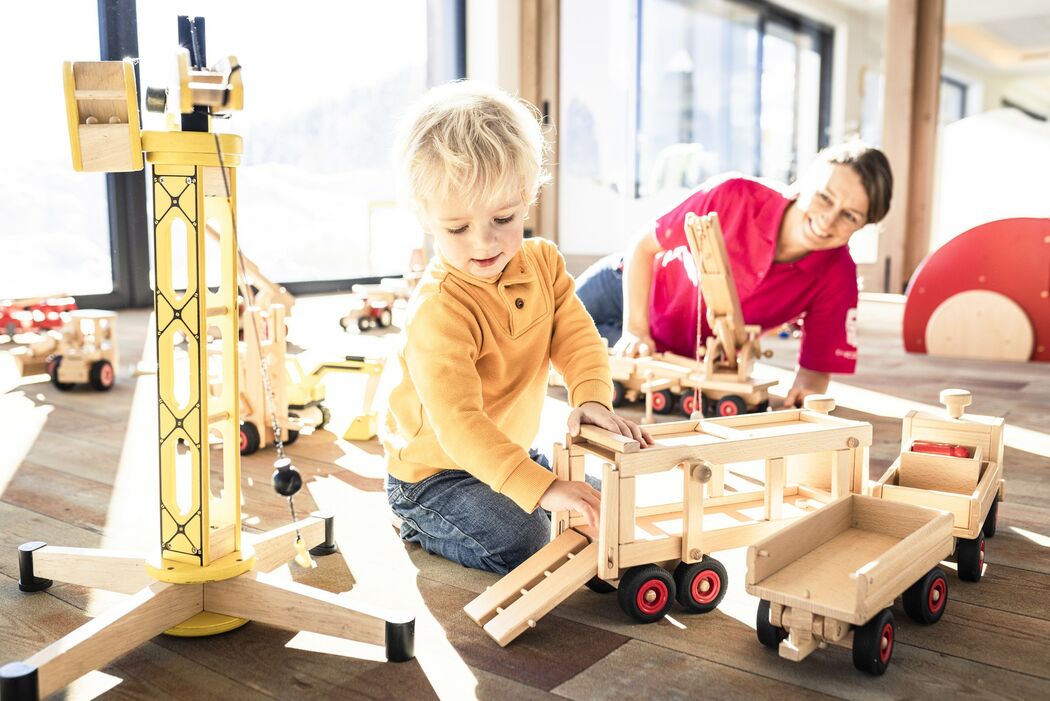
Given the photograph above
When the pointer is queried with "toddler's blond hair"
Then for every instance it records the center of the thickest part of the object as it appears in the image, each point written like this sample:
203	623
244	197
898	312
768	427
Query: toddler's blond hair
473	141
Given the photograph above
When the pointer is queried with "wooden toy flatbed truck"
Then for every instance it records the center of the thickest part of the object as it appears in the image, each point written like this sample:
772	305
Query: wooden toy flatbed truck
832	576
967	482
635	543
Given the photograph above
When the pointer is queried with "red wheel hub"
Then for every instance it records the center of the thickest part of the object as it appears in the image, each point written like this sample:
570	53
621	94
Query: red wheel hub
886	643
106	375
659	401
689	403
244	440
706	585
727	409
652	597
937	596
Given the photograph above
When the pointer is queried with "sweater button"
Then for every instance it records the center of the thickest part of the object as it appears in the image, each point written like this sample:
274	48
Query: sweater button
519	303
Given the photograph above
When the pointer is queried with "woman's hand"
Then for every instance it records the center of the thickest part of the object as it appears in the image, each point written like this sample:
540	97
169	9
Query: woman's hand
807	382
634	345
597	415
564	495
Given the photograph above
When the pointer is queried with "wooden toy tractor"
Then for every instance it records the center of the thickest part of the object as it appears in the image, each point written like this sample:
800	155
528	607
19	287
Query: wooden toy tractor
86	352
369	310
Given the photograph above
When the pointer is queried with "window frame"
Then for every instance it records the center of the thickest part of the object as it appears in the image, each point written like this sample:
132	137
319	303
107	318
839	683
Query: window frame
963	88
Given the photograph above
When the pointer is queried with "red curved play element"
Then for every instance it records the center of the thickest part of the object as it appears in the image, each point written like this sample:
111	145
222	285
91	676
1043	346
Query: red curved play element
1010	256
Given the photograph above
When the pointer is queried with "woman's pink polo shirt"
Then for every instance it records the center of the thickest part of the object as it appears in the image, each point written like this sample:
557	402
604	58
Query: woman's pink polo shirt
820	289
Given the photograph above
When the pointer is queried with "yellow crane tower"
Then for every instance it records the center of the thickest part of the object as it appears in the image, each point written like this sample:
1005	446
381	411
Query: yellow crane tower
203	577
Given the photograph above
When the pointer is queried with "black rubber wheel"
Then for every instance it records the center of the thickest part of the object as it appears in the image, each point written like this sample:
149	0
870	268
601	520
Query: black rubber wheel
385	318
925	601
991	521
646	593
364	323
249	438
707	406
326	416
761	408
664	402
687	403
619	391
969	554
701	585
730	405
102	375
599	586
873	643
768	634
289	436
52	370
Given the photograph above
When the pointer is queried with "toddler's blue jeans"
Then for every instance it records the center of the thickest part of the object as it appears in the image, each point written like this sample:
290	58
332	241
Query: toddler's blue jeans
460	518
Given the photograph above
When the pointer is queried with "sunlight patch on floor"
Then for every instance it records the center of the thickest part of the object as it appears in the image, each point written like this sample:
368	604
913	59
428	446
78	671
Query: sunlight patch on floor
1036	538
18	431
386	577
882	404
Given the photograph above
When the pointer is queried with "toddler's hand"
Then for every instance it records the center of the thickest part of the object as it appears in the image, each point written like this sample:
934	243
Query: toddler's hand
597	415
580	497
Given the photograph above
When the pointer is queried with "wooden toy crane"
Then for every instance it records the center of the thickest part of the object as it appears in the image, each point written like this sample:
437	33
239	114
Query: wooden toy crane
718	381
204	578
730	354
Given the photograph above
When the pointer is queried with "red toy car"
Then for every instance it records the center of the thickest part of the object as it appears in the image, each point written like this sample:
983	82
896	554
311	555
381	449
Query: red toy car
37	314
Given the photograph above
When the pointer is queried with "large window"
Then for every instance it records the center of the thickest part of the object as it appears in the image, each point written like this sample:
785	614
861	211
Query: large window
324	86
54	227
726	86
692	88
953	100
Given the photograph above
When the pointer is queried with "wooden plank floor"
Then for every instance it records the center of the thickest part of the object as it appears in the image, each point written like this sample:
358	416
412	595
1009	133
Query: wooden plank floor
79	469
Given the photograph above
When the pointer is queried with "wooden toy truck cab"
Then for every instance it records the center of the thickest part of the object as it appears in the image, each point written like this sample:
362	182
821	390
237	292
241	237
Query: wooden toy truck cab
953	462
710	469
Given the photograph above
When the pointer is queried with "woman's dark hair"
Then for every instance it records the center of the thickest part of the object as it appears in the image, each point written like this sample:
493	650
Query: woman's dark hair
873	168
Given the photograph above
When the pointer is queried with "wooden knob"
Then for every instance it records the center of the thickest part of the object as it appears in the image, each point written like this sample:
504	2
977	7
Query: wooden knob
955	401
820	402
696	469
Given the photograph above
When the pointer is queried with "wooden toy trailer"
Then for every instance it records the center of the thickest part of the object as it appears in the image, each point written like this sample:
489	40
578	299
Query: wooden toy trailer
632	549
662	379
967	482
832	576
